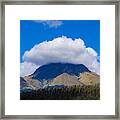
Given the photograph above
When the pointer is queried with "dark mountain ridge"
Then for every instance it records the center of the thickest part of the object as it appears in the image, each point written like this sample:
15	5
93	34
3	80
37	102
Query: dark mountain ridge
52	70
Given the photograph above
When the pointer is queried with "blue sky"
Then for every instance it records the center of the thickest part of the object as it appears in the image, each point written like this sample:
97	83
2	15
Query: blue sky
68	41
34	32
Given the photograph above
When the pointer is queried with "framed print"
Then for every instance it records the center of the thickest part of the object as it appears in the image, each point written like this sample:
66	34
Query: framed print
59	59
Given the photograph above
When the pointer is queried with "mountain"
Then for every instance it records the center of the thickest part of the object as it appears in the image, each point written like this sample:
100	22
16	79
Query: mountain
89	78
23	83
59	75
66	80
52	70
32	83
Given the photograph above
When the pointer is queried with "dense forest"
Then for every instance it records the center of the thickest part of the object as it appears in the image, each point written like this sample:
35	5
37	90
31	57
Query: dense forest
91	92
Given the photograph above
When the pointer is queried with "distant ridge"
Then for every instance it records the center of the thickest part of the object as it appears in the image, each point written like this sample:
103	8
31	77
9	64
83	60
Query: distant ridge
52	70
89	78
23	83
66	80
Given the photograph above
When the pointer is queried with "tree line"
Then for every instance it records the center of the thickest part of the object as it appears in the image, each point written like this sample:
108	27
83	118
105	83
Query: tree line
75	92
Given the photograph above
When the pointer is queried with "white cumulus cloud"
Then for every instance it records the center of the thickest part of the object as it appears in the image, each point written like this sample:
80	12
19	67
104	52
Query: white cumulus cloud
61	49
